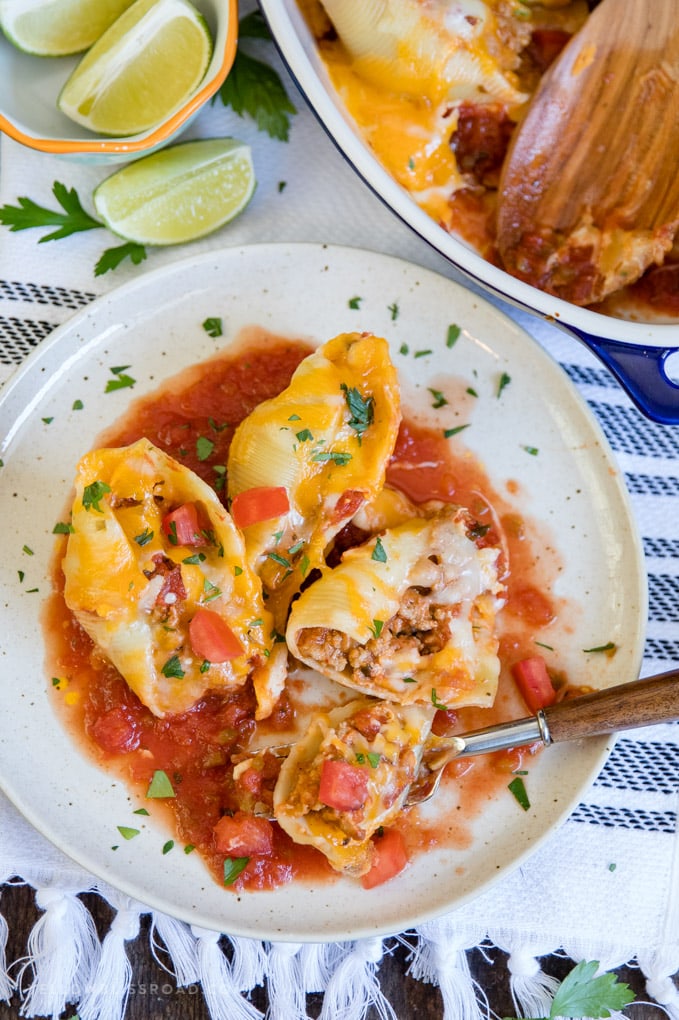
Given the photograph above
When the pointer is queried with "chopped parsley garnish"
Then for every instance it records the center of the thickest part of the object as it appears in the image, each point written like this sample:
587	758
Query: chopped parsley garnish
204	447
77	405
144	537
63	528
360	757
404	349
471	391
374	759
608	649
211	590
126	832
379	553
452	335
194	559
173	668
361	409
93	495
256	623
216	427
27	549
422	354
296	547
304	565
337	457
237	571
409	680
439	399
447	433
504	381
172	533
204	666
518	789
294	417
160	786
377	627
189	848
168	846
436	703
121	380
532	450
305	436
393	309
233	866
354	302
141	811
213	326
281	560
48	421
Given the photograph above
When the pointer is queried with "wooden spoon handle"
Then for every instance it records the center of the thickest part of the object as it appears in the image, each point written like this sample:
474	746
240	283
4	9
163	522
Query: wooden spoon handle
653	700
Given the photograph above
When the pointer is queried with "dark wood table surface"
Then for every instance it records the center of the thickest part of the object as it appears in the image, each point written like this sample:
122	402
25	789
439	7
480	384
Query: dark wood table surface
154	995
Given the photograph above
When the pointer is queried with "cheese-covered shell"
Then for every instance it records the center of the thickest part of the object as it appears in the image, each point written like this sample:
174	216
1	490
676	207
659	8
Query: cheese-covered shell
384	740
437	50
327	439
135	589
409	615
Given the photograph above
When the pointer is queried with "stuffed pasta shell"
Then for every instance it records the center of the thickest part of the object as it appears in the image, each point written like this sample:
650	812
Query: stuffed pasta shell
408	616
432	48
350	775
312	456
156	573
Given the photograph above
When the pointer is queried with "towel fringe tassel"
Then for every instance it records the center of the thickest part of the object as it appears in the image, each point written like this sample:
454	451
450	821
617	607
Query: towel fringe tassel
353	987
62	952
287	992
106	995
222	992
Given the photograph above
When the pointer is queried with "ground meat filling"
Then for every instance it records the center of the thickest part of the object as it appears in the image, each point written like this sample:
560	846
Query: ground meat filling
419	625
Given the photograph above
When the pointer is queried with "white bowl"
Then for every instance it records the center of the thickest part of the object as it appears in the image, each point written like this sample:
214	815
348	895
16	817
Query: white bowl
30	85
644	357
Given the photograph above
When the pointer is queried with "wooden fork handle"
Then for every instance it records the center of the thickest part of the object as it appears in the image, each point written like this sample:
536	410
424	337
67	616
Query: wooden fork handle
642	703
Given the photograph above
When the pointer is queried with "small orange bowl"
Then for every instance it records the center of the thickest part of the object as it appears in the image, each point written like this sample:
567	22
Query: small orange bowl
29	113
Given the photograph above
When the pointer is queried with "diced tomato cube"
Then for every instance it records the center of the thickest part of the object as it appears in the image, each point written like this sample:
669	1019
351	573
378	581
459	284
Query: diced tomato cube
212	638
259	504
183	526
390	858
534	682
116	731
243	835
343	787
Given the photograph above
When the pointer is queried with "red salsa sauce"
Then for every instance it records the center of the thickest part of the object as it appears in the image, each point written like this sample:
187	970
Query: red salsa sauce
195	749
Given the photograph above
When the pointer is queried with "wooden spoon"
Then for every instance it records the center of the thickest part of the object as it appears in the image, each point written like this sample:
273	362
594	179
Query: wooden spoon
589	195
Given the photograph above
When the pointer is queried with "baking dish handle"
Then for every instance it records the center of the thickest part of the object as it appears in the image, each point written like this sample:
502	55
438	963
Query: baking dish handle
641	371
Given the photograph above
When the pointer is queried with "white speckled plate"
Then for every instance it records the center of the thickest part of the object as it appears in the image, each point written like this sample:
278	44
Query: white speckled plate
572	487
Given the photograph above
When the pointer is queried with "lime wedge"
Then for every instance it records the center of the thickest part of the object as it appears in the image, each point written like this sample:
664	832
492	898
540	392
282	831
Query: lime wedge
178	194
142	69
55	28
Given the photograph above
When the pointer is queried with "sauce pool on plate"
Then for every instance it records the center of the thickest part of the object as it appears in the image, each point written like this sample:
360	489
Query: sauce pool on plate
192	417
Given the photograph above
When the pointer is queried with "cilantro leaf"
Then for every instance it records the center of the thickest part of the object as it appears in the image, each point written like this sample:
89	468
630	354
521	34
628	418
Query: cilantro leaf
254	88
112	257
581	993
253	26
362	409
28	214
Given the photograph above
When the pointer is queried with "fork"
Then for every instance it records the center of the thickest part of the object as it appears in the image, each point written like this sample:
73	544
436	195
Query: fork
644	702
